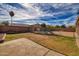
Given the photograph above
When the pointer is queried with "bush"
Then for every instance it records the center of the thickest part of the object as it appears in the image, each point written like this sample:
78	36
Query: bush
6	23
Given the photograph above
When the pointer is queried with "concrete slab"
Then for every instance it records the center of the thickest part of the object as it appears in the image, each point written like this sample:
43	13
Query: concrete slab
53	53
23	47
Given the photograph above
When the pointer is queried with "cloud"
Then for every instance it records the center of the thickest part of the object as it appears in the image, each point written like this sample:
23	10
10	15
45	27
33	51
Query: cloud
31	13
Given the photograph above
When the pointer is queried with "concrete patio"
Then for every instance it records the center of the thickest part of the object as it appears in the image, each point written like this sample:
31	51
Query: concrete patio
25	47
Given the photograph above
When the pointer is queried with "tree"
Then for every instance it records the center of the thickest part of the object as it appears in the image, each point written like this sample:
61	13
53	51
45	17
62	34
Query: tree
71	26
63	26
11	13
5	23
57	26
49	27
43	26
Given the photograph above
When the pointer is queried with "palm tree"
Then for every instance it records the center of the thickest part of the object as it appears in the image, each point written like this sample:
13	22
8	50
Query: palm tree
11	13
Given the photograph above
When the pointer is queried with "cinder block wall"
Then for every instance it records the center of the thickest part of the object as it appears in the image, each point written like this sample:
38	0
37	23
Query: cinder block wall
14	29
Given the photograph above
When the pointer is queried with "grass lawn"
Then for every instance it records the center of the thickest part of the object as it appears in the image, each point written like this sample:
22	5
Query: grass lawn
62	44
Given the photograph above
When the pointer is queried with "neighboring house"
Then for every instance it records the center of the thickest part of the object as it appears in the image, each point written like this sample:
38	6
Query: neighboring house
35	27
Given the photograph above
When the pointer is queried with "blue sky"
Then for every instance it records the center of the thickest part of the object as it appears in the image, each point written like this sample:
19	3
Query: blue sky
32	13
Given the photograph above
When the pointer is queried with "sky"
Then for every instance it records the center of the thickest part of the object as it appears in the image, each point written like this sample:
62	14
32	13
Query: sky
33	13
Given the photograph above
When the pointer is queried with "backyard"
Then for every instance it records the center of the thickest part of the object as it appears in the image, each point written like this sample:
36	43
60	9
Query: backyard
52	26
62	44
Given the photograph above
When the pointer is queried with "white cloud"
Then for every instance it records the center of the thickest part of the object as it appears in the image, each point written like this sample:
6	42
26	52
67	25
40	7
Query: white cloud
31	12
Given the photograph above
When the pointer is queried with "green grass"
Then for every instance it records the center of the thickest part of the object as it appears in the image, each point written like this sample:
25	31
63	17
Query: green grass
62	44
